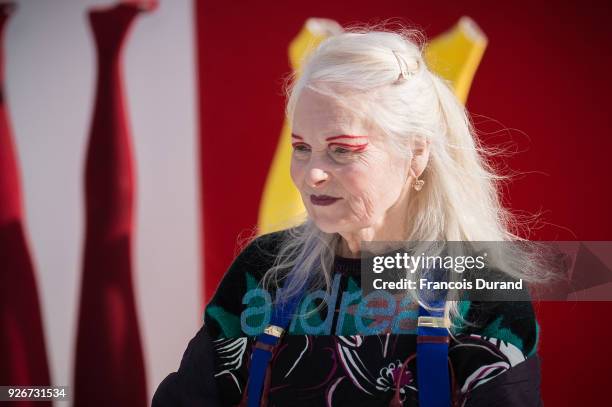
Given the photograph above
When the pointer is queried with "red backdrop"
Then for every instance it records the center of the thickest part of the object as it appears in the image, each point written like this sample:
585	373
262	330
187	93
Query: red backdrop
544	73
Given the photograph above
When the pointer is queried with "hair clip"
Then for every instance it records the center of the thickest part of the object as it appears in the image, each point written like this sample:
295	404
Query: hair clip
403	75
404	72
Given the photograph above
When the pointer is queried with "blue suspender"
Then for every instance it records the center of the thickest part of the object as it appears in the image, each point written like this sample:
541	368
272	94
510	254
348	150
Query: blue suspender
432	351
432	360
281	316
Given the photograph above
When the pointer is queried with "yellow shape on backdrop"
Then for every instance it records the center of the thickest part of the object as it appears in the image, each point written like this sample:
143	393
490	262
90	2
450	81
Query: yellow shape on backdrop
453	55
456	54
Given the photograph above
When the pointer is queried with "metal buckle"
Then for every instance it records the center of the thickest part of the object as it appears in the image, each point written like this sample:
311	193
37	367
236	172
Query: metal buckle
274	330
432	322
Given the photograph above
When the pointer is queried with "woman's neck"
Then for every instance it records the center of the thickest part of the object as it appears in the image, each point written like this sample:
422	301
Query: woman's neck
343	250
349	244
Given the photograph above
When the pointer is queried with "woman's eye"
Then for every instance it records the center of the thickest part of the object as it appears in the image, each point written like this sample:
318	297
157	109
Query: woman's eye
340	150
347	149
301	148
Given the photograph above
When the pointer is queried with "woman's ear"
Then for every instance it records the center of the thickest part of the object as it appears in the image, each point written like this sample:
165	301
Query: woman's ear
420	156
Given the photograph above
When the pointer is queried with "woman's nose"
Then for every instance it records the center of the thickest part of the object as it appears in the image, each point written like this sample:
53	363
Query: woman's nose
317	177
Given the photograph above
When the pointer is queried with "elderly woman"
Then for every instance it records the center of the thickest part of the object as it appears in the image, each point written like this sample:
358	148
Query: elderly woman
382	151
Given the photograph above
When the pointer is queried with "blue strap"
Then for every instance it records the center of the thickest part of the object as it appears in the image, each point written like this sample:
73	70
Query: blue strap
432	358
259	363
281	316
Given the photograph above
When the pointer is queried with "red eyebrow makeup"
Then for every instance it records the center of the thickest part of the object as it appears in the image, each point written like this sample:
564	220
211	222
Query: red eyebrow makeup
353	147
356	148
331	138
344	136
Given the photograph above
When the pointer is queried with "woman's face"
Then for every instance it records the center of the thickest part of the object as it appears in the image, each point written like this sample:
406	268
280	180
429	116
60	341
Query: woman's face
347	176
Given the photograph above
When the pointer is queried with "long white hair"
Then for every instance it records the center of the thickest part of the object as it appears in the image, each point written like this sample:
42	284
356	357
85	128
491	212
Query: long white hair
460	199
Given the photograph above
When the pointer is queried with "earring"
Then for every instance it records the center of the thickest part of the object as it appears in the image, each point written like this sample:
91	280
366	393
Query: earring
418	184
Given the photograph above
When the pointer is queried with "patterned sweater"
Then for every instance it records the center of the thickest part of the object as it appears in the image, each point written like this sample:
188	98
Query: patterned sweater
323	360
